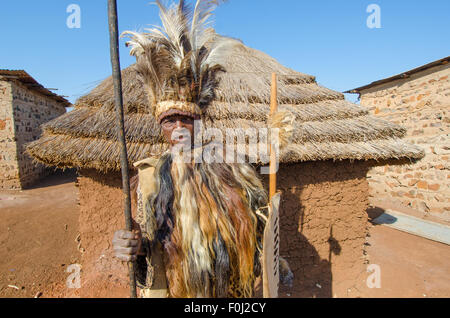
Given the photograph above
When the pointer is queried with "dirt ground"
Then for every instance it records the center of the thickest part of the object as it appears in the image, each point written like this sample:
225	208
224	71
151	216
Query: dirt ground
38	231
410	266
38	241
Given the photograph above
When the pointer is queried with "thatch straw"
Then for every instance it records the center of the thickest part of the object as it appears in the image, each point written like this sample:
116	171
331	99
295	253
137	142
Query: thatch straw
326	126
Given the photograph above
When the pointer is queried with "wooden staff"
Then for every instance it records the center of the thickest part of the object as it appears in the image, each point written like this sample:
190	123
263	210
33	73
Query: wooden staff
117	78
273	157
271	231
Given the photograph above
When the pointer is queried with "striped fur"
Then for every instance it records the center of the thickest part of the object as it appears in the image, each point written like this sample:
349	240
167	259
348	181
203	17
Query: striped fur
206	221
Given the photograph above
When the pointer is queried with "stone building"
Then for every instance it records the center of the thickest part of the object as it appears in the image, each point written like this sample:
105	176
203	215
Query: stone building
24	106
419	100
322	176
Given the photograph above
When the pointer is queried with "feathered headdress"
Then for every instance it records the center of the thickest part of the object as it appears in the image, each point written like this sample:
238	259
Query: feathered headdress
178	61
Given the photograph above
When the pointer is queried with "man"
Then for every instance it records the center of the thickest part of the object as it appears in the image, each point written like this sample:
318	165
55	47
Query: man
205	221
201	224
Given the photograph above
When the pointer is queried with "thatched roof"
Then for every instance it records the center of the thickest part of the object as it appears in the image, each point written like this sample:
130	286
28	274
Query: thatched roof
326	126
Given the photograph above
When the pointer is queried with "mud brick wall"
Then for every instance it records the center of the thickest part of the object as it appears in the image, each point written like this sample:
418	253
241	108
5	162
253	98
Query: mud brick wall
9	170
101	214
421	104
26	111
323	225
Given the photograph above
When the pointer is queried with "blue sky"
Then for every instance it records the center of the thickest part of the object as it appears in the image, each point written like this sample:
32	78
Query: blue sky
325	38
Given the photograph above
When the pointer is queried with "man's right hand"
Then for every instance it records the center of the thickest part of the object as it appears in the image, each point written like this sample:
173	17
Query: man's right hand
126	245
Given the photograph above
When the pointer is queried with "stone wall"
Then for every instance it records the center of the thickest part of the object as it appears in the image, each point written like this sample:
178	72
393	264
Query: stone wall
29	110
9	170
323	228
421	104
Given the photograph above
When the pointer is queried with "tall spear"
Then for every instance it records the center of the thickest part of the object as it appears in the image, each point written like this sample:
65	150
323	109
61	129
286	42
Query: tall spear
117	78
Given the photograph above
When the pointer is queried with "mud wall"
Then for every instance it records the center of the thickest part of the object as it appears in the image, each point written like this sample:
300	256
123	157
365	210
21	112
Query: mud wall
101	214
323	228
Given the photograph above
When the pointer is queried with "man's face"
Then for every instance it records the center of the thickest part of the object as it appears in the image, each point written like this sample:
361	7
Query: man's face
178	129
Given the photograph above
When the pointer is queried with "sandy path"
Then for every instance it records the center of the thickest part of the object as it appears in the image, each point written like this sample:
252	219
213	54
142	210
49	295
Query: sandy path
410	266
38	229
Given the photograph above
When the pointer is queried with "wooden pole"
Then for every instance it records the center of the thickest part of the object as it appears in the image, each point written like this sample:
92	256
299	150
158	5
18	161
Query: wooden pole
271	231
117	78
273	158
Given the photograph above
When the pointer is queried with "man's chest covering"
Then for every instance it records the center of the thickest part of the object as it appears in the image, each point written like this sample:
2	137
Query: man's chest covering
152	271
201	226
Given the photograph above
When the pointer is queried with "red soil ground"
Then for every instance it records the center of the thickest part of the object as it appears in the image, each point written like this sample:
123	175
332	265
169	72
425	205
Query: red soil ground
39	227
38	231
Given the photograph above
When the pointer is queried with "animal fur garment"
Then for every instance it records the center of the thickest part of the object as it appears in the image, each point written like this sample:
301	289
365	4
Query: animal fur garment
204	215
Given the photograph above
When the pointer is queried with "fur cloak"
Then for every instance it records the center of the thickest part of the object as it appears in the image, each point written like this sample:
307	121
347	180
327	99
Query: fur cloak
204	217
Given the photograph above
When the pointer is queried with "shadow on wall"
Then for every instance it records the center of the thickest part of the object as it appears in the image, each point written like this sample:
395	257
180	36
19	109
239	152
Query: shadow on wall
374	212
312	275
54	177
323	224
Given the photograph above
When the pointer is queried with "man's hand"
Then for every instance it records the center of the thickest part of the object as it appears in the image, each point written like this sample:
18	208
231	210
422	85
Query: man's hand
286	275
127	245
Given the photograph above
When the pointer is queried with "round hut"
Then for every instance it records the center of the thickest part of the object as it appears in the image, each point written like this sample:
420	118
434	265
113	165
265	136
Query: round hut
322	176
